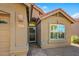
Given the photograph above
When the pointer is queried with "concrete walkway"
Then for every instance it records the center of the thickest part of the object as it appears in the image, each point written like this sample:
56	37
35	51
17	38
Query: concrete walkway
63	51
35	50
38	52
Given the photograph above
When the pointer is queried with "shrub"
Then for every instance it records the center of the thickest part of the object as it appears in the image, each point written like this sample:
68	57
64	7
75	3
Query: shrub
75	39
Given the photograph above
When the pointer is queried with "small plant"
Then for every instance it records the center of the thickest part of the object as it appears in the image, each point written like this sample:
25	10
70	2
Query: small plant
75	39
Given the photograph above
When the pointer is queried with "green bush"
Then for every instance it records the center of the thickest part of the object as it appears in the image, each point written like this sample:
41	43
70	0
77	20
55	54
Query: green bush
75	39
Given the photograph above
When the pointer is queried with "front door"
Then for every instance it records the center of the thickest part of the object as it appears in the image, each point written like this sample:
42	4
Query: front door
32	34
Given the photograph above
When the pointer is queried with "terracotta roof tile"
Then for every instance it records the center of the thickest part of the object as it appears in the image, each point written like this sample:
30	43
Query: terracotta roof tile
50	12
55	11
39	9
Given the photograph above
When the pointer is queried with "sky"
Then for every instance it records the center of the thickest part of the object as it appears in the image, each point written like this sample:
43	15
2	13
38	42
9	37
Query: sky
70	8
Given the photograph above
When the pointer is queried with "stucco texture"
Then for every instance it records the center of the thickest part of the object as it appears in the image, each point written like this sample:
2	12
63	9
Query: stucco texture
45	39
17	28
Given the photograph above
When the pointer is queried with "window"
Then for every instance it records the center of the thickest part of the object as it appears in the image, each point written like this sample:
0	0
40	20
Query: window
2	21
57	31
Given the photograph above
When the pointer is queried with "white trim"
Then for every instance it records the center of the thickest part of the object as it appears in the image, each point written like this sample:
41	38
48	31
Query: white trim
54	31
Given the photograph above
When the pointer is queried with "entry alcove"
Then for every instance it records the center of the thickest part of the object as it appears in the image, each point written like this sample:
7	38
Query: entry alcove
32	31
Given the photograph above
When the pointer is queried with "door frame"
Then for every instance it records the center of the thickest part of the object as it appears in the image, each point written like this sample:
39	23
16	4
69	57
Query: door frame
35	34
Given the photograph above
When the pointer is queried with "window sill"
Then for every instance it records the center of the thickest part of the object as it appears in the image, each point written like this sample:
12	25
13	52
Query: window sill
57	41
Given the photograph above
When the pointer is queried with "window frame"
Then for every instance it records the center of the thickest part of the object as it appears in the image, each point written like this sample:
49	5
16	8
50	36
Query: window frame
54	32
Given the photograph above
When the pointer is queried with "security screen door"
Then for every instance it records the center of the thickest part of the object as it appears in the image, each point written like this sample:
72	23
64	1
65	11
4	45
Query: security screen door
32	34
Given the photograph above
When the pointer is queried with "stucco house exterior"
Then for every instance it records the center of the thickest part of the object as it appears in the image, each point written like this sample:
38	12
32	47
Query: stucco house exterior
54	29
14	28
75	28
24	23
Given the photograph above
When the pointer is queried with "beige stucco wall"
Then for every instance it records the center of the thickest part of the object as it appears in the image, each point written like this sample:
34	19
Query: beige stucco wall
45	40
18	30
75	28
38	34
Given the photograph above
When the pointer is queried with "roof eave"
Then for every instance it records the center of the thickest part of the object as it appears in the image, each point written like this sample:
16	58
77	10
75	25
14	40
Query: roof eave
55	11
